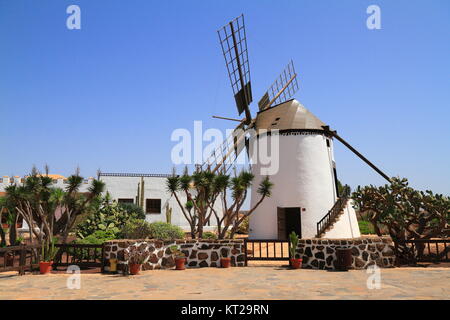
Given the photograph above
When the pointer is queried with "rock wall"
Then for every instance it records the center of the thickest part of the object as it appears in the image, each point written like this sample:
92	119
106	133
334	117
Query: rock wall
199	253
321	253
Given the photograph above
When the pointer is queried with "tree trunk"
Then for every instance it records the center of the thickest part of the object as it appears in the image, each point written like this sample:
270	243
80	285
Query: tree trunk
13	230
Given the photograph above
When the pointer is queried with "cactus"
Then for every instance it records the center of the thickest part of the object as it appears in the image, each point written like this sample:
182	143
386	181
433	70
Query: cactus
141	195
293	242
168	214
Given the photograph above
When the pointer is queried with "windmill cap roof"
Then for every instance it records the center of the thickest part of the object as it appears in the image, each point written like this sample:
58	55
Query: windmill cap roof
288	115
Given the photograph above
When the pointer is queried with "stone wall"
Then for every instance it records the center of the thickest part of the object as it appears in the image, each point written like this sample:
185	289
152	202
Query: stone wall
199	253
366	251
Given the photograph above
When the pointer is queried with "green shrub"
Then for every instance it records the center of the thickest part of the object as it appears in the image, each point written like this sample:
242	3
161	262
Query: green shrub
165	231
365	227
107	216
136	229
133	210
98	237
209	235
243	227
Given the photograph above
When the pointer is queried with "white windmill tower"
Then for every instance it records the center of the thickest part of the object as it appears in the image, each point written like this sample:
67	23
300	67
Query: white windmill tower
305	197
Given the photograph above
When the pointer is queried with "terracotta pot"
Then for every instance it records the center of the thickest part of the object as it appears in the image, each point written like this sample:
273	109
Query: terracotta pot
135	268
180	263
225	262
45	267
296	263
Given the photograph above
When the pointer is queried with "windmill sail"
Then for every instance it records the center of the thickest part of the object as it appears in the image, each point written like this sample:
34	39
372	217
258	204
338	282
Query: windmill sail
223	157
284	87
233	41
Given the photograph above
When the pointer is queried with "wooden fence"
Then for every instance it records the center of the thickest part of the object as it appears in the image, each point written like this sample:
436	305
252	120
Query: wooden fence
266	249
82	255
430	250
19	258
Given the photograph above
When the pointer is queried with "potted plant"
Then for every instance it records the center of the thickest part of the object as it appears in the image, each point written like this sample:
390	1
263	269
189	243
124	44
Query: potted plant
47	254
296	263
225	260
179	257
136	258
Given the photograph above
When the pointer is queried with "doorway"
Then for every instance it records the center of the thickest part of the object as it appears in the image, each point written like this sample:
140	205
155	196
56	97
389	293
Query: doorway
289	219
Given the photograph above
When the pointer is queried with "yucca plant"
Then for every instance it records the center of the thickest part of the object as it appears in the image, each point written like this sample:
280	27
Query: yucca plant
48	251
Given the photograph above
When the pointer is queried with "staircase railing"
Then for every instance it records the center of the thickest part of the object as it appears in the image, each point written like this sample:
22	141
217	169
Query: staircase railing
335	211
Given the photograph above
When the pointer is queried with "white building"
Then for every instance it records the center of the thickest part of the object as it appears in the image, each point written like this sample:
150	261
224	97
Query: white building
126	188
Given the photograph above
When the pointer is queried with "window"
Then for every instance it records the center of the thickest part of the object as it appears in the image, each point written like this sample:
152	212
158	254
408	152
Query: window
125	200
153	206
328	142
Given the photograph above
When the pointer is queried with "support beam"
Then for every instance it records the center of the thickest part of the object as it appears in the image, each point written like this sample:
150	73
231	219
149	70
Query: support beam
225	118
345	143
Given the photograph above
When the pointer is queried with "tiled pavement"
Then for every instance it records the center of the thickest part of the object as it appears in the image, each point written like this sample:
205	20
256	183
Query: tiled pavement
254	282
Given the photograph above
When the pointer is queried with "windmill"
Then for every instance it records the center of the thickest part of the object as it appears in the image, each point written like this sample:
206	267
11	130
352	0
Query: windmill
306	198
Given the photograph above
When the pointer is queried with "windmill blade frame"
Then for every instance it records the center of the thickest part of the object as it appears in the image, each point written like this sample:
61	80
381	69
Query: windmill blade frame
233	40
282	89
220	160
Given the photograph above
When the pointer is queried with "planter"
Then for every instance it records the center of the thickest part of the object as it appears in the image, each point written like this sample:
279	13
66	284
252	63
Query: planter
296	263
343	258
135	268
225	262
113	265
180	263
45	267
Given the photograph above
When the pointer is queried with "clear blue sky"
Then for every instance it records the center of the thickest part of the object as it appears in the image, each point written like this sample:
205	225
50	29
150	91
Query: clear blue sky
109	95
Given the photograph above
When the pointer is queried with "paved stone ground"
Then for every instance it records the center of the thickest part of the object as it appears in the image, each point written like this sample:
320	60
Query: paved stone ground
254	282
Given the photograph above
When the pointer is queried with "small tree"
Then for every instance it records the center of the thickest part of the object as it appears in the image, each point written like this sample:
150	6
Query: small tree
404	212
51	211
203	188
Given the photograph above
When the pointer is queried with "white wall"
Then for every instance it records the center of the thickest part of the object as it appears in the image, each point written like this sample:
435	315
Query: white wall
304	179
154	188
346	226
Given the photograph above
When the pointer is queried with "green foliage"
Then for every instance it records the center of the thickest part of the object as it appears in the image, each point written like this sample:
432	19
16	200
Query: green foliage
365	227
98	237
136	229
165	231
244	226
37	201
209	235
48	250
176	252
205	189
342	188
108	217
405	213
293	237
133	210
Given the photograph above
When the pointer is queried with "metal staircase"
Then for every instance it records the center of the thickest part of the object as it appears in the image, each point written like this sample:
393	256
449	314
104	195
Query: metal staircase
326	223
